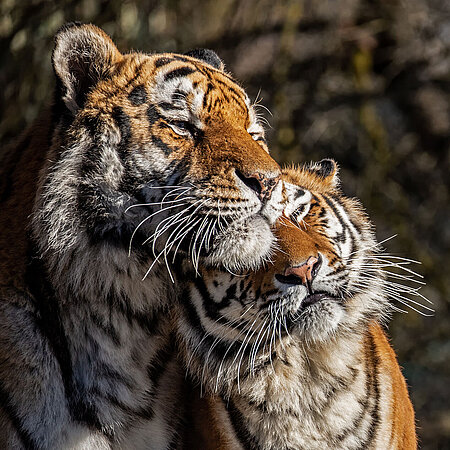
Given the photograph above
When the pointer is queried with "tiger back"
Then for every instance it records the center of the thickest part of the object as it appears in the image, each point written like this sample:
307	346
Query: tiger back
294	355
139	157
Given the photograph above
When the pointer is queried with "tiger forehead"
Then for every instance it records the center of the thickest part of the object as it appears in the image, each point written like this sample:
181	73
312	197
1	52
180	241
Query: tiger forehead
177	82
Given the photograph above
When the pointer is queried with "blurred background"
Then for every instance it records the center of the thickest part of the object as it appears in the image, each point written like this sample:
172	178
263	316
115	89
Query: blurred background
366	82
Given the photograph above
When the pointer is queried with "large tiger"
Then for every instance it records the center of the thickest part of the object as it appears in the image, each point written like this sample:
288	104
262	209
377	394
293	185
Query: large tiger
141	156
294	356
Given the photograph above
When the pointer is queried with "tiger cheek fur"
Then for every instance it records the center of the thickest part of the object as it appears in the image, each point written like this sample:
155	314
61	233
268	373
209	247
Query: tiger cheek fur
294	355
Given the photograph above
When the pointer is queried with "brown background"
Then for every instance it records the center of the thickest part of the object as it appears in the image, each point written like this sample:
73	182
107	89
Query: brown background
365	82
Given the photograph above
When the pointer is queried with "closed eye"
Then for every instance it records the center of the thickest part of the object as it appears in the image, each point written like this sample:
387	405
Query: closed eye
179	126
258	137
183	128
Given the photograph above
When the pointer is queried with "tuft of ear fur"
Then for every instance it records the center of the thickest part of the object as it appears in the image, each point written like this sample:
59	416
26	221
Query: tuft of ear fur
327	170
83	55
208	56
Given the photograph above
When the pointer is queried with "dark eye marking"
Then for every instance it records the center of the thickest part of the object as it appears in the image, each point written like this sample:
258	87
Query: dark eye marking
138	96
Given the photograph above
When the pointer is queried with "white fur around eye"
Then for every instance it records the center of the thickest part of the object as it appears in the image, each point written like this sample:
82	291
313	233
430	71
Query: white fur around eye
298	201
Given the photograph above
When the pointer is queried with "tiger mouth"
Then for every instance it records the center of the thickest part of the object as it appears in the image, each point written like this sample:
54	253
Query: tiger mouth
316	297
312	298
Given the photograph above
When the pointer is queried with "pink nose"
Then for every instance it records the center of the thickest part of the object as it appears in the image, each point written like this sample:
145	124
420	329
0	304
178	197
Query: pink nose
304	271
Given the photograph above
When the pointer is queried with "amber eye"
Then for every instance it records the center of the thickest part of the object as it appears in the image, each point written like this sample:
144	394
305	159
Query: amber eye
181	124
181	127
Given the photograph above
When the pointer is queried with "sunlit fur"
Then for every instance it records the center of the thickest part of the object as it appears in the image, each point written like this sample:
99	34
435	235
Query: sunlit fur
276	374
142	156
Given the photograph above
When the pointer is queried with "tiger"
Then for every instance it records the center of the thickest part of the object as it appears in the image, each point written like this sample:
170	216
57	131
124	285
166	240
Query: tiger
139	158
294	355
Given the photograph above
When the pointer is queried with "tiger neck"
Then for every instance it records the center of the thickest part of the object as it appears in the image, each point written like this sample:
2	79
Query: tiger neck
305	397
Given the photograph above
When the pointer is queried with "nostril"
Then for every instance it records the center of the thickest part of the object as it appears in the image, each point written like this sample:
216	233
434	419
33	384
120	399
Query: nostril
260	183
302	274
253	181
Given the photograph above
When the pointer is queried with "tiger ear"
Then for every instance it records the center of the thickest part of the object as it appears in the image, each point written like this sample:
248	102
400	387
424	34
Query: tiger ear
327	170
208	56
83	55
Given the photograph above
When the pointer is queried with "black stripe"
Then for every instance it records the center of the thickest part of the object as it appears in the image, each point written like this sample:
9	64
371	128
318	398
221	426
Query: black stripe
237	95
6	405
364	407
153	114
146	412
210	306
163	61
138	96
340	237
208	341
374	364
50	325
182	58
91	123
337	199
372	388
124	124
120	88
178	73
242	433
159	363
146	321
158	142
209	88
107	328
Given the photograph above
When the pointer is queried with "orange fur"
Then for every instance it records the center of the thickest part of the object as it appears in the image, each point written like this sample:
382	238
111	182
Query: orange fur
403	432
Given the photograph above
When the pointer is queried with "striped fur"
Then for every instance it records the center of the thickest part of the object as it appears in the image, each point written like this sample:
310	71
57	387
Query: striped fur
285	362
141	157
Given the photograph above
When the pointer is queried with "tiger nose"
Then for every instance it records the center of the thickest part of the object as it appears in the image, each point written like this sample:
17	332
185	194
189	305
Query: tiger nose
262	184
307	271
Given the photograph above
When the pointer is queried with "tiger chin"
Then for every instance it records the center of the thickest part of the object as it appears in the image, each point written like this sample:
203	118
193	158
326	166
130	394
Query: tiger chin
140	157
293	355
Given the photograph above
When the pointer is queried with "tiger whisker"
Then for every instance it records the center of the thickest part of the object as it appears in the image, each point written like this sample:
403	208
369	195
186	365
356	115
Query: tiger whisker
156	260
254	349
143	221
166	223
370	247
244	345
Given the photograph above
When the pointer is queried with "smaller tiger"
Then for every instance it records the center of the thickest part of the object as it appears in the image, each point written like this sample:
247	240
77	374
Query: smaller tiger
294	354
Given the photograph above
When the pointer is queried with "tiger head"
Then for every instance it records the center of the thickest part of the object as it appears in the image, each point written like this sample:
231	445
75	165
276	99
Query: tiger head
161	149
322	283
